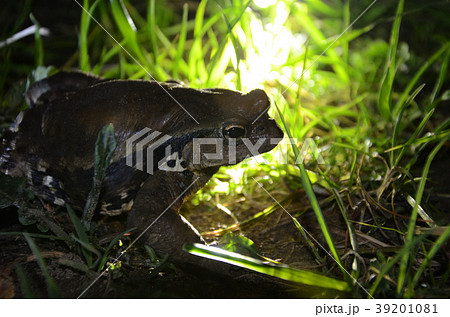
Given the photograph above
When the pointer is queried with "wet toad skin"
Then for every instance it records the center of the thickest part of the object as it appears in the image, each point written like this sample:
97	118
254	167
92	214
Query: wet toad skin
53	143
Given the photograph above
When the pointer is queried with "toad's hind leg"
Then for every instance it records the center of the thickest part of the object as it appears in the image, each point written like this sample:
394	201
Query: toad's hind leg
155	215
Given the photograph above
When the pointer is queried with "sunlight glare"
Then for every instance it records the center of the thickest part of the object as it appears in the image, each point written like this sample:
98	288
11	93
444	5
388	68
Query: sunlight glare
273	44
221	187
264	3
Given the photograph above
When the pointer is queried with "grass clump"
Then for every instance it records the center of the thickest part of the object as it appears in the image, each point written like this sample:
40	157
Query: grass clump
368	97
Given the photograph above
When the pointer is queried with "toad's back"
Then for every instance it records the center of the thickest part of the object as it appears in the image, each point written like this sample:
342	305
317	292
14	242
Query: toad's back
52	144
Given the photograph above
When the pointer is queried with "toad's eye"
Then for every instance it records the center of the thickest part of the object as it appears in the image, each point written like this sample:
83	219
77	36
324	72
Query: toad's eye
234	131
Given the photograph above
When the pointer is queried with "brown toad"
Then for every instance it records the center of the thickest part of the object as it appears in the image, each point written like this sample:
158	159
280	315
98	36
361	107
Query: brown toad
52	145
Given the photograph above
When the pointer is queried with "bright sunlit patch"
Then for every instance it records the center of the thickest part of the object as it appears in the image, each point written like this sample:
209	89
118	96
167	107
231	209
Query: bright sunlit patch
221	187
236	174
268	50
229	79
264	3
281	15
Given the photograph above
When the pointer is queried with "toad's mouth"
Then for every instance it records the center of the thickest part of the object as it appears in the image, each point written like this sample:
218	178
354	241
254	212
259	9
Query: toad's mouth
211	152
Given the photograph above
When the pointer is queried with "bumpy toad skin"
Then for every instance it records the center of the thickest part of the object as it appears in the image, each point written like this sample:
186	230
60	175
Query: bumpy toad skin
52	145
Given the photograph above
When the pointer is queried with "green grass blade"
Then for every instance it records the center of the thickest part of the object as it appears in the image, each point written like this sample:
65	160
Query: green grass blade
39	48
108	55
422	213
88	246
268	268
127	27
442	127
437	135
387	266
236	52
82	235
195	58
350	228
437	245
111	244
308	240
181	41
83	38
414	136
441	78
230	27
322	7
52	288
18	22
313	199
24	282
399	121
416	77
300	81
151	28
344	41
412	223
319	39
220	60
384	97
83	35
104	149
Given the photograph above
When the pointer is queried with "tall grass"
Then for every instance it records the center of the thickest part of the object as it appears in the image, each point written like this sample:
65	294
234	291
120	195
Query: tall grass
340	88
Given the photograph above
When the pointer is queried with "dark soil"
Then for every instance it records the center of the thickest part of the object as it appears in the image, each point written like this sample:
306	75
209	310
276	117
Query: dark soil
275	236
